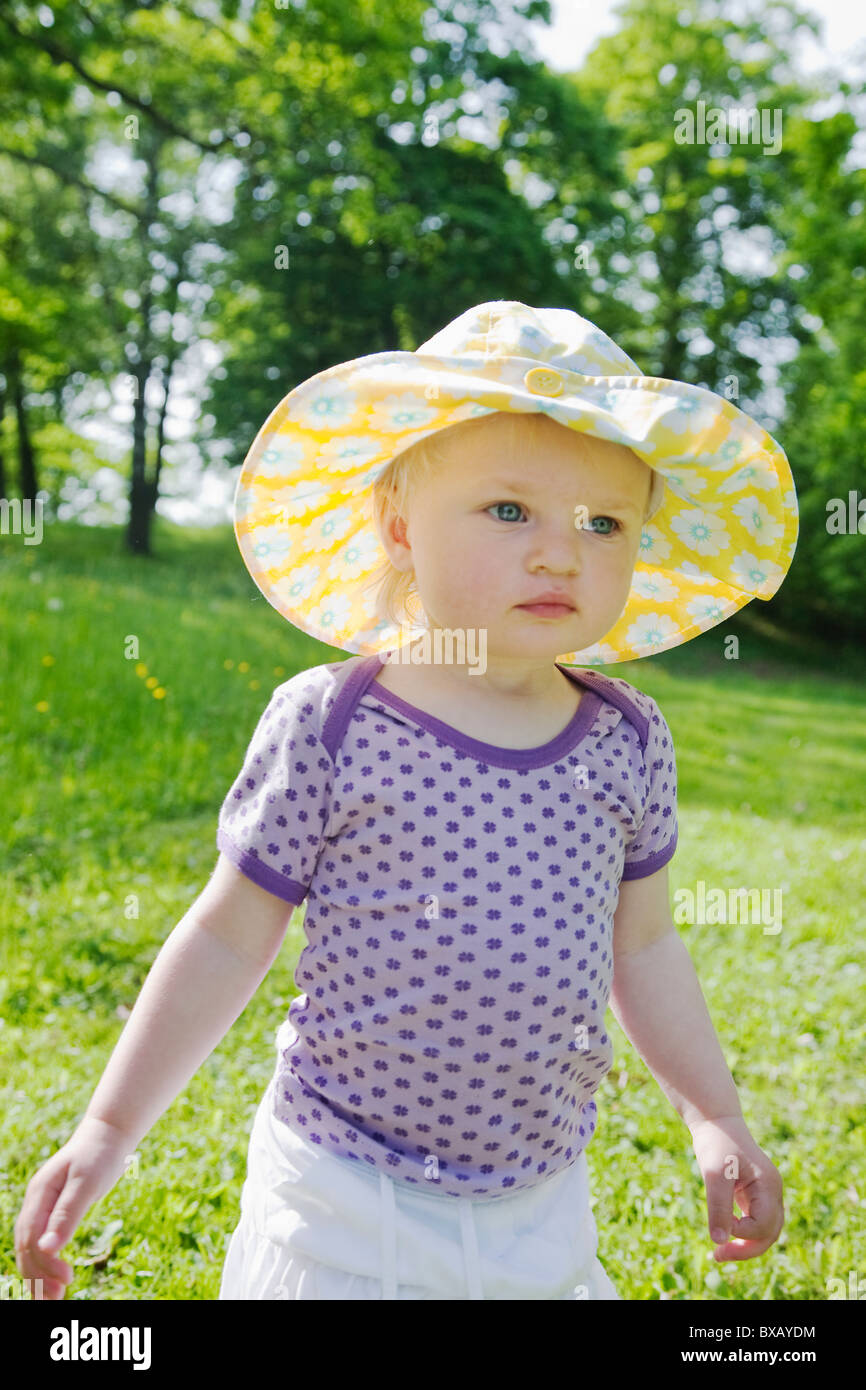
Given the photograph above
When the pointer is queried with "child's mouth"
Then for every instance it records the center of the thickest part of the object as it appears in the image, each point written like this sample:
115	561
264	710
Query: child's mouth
547	610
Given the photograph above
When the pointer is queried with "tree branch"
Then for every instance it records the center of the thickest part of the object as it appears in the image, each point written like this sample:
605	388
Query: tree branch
57	54
75	180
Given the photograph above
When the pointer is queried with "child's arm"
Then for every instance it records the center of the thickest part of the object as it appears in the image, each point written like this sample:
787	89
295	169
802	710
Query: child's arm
657	1000
204	976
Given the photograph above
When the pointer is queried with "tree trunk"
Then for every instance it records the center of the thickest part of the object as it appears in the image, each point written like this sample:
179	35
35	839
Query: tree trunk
142	494
140	500
160	428
3	492
26	459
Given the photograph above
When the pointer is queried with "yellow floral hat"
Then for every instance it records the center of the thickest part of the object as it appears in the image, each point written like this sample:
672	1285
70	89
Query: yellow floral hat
724	533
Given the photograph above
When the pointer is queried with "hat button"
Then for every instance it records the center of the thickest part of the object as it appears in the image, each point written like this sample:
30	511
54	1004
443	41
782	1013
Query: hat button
543	381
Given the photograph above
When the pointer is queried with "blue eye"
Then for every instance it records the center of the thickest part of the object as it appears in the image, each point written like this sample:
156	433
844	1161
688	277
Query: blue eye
505	504
611	519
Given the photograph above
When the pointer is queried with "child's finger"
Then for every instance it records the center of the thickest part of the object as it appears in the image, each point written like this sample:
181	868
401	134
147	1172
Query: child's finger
39	1200
744	1250
33	1262
754	1232
720	1205
756	1224
65	1216
47	1289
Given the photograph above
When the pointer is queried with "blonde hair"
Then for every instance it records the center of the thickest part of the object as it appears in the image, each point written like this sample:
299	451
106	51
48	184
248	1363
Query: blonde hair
395	595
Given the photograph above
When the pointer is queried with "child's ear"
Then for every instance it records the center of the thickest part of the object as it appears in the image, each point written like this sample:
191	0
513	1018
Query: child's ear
393	535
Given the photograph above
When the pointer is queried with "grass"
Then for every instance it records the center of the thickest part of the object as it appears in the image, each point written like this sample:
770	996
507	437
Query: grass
111	795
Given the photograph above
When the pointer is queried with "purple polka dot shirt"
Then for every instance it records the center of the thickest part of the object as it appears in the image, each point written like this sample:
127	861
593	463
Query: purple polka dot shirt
459	918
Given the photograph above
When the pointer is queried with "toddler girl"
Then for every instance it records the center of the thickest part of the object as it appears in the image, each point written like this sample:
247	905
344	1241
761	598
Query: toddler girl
480	833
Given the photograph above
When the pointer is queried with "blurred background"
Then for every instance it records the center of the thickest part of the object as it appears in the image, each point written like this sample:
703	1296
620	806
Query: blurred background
201	204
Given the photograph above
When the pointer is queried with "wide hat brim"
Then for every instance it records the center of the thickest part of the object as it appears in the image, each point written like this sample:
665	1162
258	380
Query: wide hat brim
725	531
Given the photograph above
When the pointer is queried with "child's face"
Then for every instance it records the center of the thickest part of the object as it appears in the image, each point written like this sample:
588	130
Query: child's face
494	526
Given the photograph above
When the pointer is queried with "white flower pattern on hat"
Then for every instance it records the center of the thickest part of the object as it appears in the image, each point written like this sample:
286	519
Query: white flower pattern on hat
758	521
298	585
754	573
706	610
653	546
695	574
684	485
397	413
655	585
331	613
749	476
331	406
701	531
727	452
271	543
690	416
342	454
651	629
599	654
281	458
303	498
355	559
331	528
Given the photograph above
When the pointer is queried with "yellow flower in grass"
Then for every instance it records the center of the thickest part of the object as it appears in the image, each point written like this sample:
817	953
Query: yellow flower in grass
47	660
254	685
159	693
279	670
141	669
151	682
228	664
243	665
42	706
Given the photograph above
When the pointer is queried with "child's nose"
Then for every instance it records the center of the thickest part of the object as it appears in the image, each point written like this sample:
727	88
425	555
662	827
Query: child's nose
559	538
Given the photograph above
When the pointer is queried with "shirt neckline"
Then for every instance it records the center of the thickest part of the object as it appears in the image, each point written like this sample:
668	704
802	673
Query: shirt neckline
516	758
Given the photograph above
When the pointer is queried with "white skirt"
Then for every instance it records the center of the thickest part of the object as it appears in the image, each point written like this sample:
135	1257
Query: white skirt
315	1226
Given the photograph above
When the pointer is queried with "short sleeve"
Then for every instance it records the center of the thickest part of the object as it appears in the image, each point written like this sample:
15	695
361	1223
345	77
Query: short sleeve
271	823
655	838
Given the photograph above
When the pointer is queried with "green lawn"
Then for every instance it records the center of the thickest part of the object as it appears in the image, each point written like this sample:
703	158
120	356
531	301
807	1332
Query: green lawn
110	791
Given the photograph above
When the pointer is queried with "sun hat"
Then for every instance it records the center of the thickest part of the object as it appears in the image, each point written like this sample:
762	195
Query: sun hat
724	532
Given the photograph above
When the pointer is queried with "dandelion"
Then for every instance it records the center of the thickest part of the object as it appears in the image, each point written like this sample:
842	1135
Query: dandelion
141	669
254	685
47	660
151	682
159	693
243	665
42	706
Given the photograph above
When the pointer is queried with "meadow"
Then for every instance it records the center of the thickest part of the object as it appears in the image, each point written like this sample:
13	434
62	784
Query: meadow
113	766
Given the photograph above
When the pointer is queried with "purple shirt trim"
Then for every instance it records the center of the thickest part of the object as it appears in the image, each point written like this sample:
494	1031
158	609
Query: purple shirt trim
654	863
514	758
252	867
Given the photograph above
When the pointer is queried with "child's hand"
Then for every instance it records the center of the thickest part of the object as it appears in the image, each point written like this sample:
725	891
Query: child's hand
57	1197
733	1166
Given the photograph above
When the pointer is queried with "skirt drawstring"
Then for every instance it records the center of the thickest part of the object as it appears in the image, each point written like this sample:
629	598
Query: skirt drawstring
470	1249
389	1237
468	1235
